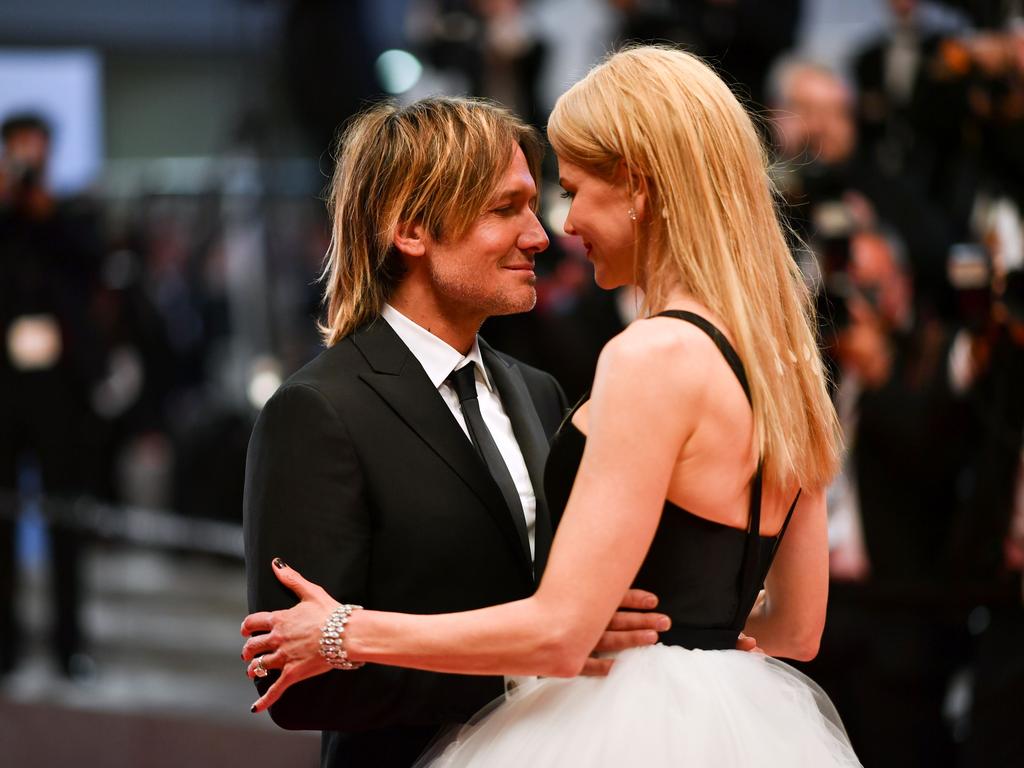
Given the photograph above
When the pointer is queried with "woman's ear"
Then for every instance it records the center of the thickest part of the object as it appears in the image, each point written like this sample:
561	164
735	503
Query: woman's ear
635	185
410	239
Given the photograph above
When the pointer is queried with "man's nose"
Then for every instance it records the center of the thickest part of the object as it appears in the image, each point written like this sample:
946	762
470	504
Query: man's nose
534	239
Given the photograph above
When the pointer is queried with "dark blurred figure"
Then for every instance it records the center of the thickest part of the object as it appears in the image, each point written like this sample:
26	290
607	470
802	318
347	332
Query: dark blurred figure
946	112
491	44
823	170
740	38
900	95
990	542
328	64
893	639
49	251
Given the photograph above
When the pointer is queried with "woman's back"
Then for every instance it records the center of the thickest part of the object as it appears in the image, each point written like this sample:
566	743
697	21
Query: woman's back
706	568
715	466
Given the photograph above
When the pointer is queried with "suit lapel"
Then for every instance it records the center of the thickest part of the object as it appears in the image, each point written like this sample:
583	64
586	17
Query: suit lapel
399	379
533	442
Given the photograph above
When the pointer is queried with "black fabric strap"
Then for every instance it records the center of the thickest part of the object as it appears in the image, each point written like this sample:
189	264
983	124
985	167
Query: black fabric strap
463	381
751	576
730	355
782	532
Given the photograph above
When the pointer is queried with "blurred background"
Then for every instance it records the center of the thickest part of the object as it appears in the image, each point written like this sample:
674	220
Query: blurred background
162	231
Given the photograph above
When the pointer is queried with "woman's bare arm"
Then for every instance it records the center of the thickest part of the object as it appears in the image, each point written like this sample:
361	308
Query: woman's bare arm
606	530
790	621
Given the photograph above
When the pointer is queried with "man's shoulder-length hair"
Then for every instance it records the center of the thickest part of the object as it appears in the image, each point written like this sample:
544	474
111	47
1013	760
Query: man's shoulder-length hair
435	162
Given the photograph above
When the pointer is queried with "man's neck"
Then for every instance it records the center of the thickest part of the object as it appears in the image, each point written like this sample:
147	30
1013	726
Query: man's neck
457	329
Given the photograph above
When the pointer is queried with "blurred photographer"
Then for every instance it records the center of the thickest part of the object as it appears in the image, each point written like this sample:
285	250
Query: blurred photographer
988	369
892	640
49	250
821	165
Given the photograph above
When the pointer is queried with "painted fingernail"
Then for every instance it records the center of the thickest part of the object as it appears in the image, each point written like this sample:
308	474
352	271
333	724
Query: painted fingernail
662	624
279	563
252	708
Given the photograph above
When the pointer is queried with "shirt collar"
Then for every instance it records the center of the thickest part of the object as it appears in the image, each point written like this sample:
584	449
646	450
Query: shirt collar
437	357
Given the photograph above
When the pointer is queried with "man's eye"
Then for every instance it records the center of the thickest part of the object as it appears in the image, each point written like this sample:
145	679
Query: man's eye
567	195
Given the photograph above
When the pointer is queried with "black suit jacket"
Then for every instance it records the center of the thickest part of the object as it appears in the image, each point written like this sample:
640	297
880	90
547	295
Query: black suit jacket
360	478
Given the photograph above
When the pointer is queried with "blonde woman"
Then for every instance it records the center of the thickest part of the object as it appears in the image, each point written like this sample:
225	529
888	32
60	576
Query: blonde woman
699	460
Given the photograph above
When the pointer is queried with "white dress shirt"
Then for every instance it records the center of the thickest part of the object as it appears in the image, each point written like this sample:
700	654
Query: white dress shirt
439	359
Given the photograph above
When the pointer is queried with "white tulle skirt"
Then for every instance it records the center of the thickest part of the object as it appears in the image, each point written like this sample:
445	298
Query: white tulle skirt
660	706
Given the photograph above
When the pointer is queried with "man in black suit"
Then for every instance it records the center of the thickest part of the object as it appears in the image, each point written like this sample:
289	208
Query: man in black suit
403	468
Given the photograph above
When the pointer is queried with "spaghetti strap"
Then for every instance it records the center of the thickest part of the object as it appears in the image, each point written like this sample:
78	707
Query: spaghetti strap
755	567
727	350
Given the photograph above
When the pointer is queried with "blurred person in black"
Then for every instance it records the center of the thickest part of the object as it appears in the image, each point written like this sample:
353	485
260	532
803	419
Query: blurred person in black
493	45
48	256
974	83
740	37
989	555
900	93
822	164
892	638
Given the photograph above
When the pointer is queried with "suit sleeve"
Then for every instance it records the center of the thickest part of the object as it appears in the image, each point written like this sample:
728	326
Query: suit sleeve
305	501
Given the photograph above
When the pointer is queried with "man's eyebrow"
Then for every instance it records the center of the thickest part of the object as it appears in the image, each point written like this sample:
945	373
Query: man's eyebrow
517	191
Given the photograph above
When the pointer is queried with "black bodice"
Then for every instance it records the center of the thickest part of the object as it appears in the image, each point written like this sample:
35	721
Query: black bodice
706	574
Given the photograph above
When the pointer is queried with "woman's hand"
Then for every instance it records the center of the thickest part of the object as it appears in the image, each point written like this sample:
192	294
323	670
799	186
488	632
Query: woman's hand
289	640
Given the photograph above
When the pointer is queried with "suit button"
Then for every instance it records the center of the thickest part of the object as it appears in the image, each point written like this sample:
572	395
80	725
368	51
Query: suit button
511	685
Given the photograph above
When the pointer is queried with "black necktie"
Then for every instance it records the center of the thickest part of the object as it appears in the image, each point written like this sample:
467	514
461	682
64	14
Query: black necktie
463	381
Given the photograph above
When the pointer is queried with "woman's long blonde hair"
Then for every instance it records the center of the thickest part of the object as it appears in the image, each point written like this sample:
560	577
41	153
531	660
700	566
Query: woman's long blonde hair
714	232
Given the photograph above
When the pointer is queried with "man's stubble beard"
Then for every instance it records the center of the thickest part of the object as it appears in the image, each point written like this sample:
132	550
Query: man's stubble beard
472	297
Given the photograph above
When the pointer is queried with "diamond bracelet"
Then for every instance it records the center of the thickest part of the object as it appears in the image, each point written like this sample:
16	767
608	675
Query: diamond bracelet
332	638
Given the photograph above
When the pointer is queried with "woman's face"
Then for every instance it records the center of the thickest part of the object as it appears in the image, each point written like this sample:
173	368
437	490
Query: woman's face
600	215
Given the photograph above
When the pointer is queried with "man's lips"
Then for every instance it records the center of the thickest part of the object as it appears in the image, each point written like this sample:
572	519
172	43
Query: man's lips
525	266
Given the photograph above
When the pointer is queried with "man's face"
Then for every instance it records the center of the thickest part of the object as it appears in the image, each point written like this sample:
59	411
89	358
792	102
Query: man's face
490	270
820	105
27	149
875	273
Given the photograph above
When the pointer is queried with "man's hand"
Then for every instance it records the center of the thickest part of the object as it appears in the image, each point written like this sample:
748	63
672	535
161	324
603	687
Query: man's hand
632	626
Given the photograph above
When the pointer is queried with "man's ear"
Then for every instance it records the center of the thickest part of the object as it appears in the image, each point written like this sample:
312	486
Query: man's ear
410	239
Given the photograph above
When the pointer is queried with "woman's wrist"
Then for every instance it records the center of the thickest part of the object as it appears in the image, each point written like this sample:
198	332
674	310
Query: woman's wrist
334	648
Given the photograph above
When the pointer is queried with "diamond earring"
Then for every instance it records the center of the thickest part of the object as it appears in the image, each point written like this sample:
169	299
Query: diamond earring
632	214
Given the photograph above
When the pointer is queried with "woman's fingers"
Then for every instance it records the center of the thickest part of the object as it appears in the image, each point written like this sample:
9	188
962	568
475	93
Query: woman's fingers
627	620
597	667
257	622
266	662
293	579
304	589
619	641
256	645
273	693
639	600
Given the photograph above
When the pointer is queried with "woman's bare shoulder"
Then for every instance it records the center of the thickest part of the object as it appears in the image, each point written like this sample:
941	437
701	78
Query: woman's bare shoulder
660	356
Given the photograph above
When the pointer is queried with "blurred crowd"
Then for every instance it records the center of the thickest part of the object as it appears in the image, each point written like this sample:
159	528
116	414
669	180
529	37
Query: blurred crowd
140	339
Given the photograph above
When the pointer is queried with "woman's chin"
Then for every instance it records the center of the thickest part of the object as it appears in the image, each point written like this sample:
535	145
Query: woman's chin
605	281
